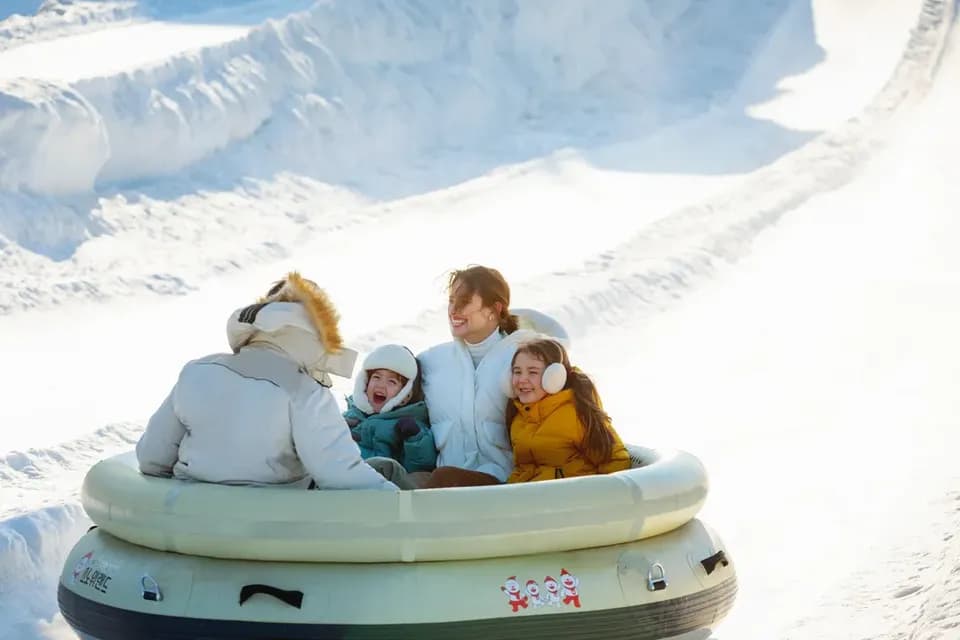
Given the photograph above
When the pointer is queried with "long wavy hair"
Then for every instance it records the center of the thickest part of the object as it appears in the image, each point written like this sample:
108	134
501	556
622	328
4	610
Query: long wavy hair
598	439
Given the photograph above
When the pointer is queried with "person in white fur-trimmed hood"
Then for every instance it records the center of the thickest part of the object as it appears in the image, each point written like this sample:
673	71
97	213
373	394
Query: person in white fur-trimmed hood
466	382
263	414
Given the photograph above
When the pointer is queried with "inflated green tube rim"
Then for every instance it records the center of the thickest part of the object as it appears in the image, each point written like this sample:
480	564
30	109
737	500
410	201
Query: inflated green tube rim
284	524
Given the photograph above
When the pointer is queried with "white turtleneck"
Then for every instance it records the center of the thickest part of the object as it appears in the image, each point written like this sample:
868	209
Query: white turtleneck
480	349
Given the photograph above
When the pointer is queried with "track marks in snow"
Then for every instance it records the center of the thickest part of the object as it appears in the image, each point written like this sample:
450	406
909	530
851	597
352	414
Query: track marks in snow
908	591
920	602
938	616
667	258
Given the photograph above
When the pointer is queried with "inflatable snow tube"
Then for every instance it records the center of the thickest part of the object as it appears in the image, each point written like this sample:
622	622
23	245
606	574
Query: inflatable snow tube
678	584
663	491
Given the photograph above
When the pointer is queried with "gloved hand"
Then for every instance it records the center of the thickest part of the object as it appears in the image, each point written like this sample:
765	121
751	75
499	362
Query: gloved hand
407	427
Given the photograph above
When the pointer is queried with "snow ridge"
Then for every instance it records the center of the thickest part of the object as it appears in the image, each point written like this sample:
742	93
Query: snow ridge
34	543
28	477
57	18
433	70
309	96
67	141
33	548
665	260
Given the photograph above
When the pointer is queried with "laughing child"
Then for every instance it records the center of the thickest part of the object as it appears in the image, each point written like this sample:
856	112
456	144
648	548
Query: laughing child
387	414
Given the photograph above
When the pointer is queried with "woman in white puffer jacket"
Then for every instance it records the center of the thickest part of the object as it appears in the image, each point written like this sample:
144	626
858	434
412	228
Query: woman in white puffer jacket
466	381
263	414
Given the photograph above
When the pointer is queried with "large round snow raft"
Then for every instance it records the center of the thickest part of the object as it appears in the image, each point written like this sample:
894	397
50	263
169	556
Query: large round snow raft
616	556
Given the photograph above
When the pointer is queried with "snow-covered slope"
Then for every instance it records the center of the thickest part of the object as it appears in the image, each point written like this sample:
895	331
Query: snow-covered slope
775	248
28	21
380	100
25	24
819	378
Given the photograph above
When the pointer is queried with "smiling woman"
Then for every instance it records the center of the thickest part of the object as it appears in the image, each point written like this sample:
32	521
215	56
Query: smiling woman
466	381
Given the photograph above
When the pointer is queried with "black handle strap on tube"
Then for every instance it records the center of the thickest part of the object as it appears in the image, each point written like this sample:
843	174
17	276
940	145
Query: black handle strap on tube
709	564
292	598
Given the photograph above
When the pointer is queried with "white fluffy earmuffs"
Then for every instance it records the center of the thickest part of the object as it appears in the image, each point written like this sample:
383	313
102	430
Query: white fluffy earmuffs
553	380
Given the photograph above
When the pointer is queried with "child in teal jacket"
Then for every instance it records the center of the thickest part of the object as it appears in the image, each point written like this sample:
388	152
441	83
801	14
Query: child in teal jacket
387	414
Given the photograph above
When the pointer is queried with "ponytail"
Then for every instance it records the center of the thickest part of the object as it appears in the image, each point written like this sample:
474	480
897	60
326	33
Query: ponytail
508	322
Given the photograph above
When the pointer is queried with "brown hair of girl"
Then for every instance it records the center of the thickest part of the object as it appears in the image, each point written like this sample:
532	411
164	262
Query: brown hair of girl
598	438
492	288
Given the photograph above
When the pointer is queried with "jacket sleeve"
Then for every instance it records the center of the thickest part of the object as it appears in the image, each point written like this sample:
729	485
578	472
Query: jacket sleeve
329	454
159	446
355	421
352	413
420	451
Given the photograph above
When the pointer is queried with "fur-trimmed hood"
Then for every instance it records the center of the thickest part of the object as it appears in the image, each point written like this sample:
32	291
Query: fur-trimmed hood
323	315
297	317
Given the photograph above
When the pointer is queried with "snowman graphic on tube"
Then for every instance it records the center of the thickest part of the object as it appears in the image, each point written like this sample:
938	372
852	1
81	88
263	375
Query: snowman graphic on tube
570	584
533	593
514	596
552	596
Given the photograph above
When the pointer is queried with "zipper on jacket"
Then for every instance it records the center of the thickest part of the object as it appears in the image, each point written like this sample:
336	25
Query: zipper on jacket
558	473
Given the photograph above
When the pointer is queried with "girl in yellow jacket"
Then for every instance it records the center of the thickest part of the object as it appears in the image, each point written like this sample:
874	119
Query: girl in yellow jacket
558	428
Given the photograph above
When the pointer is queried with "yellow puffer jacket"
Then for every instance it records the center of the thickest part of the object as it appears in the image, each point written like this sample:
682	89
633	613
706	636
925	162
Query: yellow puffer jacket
547	441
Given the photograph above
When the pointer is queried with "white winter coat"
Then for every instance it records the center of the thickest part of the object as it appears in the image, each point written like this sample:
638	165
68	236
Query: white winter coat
256	416
467	404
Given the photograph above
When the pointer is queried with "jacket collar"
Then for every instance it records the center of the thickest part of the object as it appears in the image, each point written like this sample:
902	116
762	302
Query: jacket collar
414	410
508	341
539	410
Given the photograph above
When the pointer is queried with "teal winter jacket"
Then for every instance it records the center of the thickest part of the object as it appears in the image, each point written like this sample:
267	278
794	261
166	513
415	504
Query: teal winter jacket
377	435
